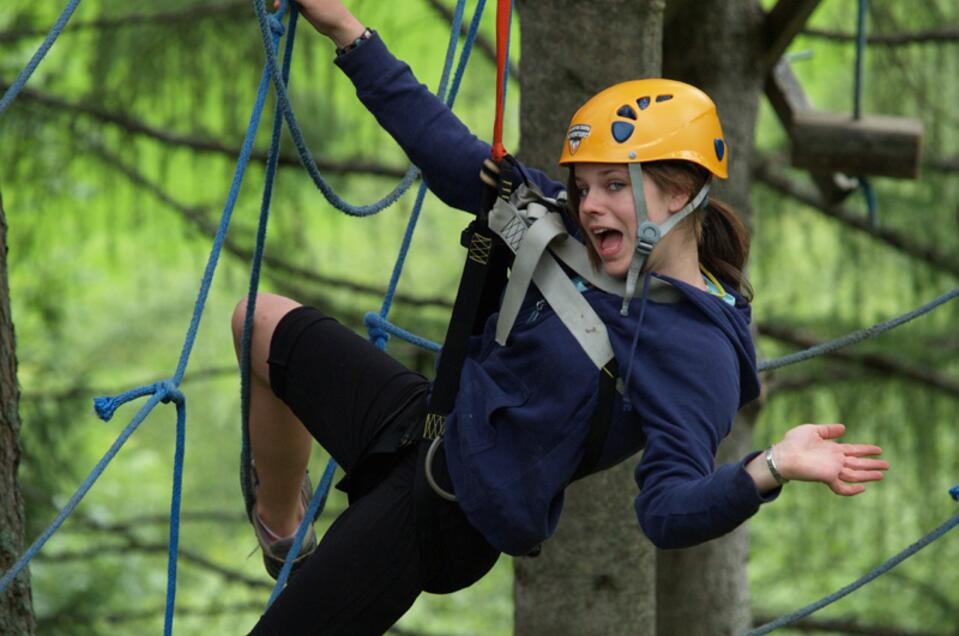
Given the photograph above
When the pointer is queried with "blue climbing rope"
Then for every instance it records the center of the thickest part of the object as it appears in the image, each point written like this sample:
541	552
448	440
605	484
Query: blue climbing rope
306	157
246	459
322	491
166	391
21	81
317	503
158	392
381	328
858	336
855	585
378	326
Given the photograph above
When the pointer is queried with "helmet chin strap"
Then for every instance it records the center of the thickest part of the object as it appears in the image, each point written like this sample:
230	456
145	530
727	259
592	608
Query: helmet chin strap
648	234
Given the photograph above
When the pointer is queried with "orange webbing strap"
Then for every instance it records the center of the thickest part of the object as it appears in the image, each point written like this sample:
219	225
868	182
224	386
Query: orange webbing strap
503	11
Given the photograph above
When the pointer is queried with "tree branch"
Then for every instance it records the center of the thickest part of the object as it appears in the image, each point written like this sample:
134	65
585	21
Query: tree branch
199	144
131	544
783	22
765	173
227	10
878	362
117	618
252	607
931	591
942	164
890	39
777	384
79	392
198	217
482	42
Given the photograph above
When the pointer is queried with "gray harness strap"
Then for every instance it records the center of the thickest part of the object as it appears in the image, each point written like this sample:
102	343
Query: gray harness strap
528	227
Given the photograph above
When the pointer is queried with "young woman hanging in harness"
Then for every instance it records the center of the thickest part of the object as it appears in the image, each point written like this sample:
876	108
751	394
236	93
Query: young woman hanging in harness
630	270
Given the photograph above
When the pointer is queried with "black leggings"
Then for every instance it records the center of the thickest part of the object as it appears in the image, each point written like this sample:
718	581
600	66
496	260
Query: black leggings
396	538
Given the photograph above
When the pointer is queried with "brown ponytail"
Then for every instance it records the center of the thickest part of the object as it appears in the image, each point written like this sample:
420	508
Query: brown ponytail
722	237
724	246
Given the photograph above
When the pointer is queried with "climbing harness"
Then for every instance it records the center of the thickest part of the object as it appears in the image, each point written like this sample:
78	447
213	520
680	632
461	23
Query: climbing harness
528	224
483	278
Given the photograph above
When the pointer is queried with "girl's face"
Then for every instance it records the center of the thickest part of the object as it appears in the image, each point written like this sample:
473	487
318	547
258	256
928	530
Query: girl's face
608	215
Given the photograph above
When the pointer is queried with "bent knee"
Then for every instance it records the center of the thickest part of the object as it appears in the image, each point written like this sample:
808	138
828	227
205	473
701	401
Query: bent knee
269	310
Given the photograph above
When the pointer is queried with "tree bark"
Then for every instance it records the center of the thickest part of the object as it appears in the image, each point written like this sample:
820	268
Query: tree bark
16	605
596	575
717	45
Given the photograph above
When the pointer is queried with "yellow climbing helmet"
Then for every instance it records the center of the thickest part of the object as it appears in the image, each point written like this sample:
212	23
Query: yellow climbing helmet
647	120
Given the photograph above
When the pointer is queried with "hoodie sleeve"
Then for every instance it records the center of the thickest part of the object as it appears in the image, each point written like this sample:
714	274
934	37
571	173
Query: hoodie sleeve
434	139
687	394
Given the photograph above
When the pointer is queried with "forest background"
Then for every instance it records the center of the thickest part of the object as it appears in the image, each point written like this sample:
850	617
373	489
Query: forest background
114	165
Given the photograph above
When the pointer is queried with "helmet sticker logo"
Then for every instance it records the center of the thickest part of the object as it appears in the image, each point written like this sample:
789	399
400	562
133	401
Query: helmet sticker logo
577	133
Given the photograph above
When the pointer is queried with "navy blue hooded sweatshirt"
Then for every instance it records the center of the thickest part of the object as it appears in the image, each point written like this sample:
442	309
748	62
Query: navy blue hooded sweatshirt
523	410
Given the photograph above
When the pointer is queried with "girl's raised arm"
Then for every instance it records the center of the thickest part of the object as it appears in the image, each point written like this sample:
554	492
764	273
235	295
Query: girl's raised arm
436	141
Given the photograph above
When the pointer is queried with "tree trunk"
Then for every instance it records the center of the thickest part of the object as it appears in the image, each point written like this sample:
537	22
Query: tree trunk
716	45
16	606
596	576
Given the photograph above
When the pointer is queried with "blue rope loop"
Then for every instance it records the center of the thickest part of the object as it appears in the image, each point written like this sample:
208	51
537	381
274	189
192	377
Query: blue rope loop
954	492
272	162
165	391
306	157
378	335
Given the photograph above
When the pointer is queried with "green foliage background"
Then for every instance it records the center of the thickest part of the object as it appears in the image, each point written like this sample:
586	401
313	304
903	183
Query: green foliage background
104	275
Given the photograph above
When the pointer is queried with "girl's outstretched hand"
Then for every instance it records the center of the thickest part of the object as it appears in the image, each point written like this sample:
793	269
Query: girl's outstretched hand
331	18
810	452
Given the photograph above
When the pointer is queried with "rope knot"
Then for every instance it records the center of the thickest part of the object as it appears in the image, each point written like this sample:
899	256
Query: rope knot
276	26
106	406
169	392
378	335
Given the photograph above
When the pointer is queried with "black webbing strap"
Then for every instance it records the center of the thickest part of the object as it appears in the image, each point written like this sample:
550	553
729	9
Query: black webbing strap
480	288
601	421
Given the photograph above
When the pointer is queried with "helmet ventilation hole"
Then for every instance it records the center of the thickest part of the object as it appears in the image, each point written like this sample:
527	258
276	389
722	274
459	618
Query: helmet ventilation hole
643	102
626	111
622	130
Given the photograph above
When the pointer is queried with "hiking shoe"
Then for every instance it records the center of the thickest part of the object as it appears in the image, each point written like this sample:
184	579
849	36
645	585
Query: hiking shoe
275	549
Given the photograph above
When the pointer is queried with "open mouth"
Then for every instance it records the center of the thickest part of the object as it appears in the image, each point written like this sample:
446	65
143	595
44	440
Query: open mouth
608	241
